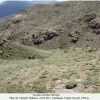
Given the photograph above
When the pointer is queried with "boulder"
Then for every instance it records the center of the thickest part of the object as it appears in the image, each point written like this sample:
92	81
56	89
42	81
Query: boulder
50	35
73	39
47	35
88	17
34	36
96	31
16	21
95	24
38	41
10	38
71	35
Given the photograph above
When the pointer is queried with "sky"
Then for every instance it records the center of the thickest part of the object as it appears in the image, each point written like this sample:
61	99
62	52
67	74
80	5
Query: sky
31	0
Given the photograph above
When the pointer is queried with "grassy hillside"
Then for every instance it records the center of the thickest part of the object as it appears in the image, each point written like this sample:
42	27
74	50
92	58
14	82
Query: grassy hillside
74	70
14	50
51	48
65	18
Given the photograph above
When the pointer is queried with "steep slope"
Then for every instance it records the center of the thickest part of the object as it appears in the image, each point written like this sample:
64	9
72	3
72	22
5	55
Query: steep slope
14	50
53	26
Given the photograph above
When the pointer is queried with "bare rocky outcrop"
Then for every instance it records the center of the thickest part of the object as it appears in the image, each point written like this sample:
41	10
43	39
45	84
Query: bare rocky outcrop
96	31
34	36
47	35
73	38
95	24
15	21
38	41
10	38
88	17
40	25
6	26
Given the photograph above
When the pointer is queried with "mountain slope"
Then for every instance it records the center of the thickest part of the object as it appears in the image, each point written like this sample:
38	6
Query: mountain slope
71	30
53	26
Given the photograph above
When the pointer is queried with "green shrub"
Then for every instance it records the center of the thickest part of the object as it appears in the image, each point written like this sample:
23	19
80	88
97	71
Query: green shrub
70	84
31	57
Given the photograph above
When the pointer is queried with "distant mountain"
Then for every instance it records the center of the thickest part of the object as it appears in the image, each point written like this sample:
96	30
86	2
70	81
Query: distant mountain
12	7
43	2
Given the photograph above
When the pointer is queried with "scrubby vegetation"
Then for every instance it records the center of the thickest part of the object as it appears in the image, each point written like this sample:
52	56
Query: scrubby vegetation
70	85
53	73
51	48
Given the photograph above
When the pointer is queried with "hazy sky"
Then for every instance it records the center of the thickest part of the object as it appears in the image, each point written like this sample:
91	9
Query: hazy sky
32	0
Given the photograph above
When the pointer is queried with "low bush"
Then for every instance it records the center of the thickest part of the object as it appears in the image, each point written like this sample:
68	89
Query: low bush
70	84
31	57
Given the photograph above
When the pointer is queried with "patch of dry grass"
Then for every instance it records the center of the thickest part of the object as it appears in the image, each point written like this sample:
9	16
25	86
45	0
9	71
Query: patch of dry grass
55	70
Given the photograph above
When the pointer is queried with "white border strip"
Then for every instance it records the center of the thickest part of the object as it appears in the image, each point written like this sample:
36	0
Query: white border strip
49	96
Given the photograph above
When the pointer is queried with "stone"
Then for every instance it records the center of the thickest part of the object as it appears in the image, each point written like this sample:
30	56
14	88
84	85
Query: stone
47	36
95	24
88	17
73	39
96	31
16	21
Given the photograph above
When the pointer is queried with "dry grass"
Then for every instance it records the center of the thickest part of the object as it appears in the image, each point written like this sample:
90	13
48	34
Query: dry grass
23	68
60	67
